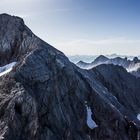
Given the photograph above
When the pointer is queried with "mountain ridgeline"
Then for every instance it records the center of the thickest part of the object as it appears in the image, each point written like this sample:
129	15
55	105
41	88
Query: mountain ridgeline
43	96
132	66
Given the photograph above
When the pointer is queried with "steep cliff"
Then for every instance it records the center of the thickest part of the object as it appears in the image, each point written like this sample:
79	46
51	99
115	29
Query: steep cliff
46	97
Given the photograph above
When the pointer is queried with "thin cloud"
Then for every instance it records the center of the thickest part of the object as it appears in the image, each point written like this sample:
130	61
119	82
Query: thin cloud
100	42
103	46
59	10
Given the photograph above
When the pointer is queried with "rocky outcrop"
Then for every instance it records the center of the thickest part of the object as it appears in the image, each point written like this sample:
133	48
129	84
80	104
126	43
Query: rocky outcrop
46	97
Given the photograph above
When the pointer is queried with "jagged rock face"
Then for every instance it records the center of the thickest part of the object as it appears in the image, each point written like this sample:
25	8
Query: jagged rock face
119	83
45	96
15	39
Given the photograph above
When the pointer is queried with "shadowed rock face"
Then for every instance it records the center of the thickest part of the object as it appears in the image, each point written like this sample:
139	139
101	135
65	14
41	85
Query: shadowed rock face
45	96
124	86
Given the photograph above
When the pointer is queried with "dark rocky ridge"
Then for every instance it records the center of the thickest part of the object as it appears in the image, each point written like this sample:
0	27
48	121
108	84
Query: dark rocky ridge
43	97
17	40
124	86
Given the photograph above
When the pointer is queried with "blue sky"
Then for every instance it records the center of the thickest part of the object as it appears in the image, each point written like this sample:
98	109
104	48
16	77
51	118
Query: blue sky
84	27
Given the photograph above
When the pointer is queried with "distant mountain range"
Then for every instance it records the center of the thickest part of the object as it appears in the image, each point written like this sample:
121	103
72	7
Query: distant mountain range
90	58
132	66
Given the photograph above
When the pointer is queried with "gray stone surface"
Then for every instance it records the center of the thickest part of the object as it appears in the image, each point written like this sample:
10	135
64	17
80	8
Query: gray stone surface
45	96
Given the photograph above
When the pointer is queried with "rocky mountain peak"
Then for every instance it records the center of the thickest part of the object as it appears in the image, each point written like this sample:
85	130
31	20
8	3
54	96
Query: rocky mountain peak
14	38
5	18
100	58
46	97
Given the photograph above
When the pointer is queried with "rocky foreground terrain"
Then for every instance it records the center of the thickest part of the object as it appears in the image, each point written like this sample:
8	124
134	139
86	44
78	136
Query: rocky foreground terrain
43	96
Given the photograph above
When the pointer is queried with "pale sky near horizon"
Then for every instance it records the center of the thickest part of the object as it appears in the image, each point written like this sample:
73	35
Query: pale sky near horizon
83	27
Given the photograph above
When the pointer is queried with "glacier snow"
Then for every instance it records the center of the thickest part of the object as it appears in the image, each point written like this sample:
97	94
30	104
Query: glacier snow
7	68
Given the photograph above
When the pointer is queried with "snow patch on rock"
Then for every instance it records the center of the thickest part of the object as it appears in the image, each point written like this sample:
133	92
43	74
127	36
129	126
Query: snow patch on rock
7	68
134	67
90	122
1	138
138	117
